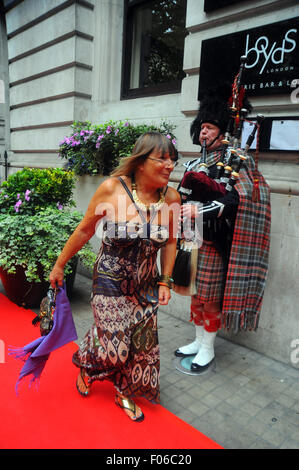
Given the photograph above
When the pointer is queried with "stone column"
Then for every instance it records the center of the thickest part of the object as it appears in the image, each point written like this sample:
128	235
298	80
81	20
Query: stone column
107	57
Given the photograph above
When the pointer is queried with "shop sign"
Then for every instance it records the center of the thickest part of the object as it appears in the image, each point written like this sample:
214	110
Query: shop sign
272	53
211	5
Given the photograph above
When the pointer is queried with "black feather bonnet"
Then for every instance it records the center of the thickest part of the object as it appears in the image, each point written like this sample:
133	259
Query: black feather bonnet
214	108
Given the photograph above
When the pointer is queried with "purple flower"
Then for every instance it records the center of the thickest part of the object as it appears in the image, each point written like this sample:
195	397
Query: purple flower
126	124
98	144
27	195
17	205
108	130
18	196
59	206
100	137
168	136
116	132
173	141
82	132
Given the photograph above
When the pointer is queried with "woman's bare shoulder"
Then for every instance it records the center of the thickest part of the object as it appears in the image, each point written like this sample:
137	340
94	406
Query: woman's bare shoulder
172	195
109	186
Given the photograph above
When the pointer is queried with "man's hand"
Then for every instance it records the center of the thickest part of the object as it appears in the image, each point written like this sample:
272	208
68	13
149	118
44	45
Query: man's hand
188	211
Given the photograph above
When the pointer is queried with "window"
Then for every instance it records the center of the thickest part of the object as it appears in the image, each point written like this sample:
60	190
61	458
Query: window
153	47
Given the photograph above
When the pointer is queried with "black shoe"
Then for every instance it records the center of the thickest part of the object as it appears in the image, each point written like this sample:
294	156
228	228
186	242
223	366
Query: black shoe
178	353
197	368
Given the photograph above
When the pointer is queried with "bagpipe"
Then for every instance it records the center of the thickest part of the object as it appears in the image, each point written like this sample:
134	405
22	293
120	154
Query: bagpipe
197	185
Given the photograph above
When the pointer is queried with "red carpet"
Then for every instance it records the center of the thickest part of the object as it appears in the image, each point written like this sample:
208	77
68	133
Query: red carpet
57	417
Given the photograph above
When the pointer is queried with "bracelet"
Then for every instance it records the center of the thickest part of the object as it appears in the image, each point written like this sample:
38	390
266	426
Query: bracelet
165	280
164	284
165	277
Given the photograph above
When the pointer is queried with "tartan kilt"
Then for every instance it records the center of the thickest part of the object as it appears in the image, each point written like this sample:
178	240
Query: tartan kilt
210	275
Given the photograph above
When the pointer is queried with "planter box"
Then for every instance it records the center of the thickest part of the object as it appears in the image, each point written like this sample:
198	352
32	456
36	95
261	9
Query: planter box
30	294
20	291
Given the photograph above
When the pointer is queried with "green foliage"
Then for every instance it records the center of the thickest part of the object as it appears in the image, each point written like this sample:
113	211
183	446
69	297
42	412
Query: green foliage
97	149
36	240
34	224
29	190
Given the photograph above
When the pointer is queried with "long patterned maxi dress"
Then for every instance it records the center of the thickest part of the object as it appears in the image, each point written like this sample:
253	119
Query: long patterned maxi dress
122	344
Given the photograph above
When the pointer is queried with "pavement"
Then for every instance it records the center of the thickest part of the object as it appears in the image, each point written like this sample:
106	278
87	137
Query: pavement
245	401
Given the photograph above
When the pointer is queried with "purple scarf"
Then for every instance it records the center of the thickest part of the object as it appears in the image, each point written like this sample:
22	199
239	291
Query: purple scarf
36	354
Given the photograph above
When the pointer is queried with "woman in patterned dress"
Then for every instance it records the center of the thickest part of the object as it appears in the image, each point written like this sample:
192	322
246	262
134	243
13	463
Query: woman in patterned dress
140	217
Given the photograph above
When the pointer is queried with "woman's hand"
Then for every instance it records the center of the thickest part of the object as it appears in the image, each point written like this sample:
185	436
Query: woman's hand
56	277
164	295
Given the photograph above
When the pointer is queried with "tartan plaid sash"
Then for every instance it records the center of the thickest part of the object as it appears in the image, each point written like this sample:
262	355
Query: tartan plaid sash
249	256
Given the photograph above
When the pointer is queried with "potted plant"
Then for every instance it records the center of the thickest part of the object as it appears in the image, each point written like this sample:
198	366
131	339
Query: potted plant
31	189
34	226
97	149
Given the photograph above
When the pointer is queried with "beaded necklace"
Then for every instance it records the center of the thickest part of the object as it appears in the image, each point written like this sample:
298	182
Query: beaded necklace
156	206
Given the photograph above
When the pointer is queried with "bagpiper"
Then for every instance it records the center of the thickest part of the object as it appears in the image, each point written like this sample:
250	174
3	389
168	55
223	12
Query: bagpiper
225	191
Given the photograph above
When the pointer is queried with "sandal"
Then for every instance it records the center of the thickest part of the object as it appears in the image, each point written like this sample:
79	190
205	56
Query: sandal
126	404
81	377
